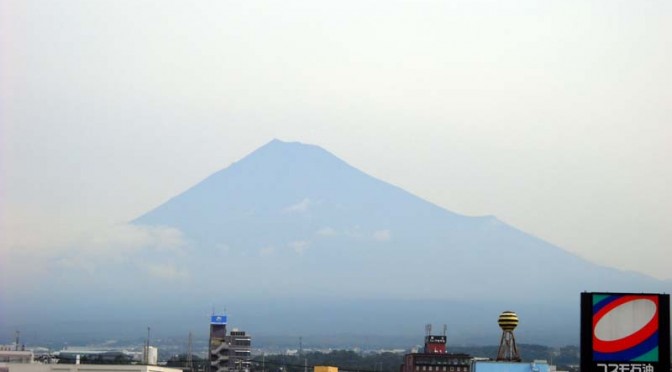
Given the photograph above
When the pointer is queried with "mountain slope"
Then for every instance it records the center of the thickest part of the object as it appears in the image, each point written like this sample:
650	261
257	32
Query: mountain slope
294	241
305	222
286	179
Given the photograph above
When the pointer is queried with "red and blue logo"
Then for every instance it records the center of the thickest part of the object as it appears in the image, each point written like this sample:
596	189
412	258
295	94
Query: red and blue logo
625	328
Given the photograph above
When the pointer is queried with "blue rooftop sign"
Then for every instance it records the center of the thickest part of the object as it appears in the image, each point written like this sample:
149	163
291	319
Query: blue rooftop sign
218	319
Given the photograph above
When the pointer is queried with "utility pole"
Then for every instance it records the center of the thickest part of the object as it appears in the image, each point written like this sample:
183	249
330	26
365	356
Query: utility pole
147	348
190	362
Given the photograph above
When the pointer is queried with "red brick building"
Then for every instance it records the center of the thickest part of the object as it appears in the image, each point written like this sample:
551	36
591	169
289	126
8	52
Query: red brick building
434	358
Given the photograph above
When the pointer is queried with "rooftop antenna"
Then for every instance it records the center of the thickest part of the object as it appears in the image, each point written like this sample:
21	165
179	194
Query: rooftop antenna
190	361
445	328
147	347
428	329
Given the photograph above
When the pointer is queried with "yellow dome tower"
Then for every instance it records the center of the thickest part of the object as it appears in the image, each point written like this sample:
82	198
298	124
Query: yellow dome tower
508	320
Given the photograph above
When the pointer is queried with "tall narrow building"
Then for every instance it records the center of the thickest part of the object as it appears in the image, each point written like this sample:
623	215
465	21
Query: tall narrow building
230	352
218	349
240	345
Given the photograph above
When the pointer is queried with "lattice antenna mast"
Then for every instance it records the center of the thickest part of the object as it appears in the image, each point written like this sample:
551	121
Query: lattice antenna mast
147	347
508	320
190	361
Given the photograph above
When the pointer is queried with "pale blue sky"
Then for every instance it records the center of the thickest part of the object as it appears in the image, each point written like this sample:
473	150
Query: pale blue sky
552	116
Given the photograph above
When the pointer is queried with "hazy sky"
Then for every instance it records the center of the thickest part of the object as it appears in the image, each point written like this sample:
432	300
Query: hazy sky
554	116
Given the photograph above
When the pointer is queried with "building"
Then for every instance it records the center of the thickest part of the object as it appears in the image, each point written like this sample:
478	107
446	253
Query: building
499	366
325	369
15	356
508	357
37	367
230	352
150	355
240	346
86	356
434	358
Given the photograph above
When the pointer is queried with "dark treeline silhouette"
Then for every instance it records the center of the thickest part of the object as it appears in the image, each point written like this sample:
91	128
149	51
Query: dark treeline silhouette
345	360
566	358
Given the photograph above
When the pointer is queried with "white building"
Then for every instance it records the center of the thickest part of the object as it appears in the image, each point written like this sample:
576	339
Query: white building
151	355
13	356
36	367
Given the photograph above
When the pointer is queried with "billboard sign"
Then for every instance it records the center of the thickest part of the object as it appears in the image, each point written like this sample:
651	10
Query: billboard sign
436	339
625	332
218	319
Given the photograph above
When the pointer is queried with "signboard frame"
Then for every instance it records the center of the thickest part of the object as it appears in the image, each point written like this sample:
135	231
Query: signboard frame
596	306
218	320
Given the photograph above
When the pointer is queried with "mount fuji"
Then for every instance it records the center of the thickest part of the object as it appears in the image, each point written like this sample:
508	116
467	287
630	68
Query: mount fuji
292	220
291	240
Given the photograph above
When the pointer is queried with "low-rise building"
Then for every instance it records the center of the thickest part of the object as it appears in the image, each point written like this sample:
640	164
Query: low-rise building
37	367
499	366
325	369
434	358
16	356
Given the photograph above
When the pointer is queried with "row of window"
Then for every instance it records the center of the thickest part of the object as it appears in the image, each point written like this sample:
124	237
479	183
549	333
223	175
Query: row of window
441	361
442	368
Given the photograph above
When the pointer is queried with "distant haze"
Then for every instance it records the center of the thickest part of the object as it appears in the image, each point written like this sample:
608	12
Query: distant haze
293	239
553	118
